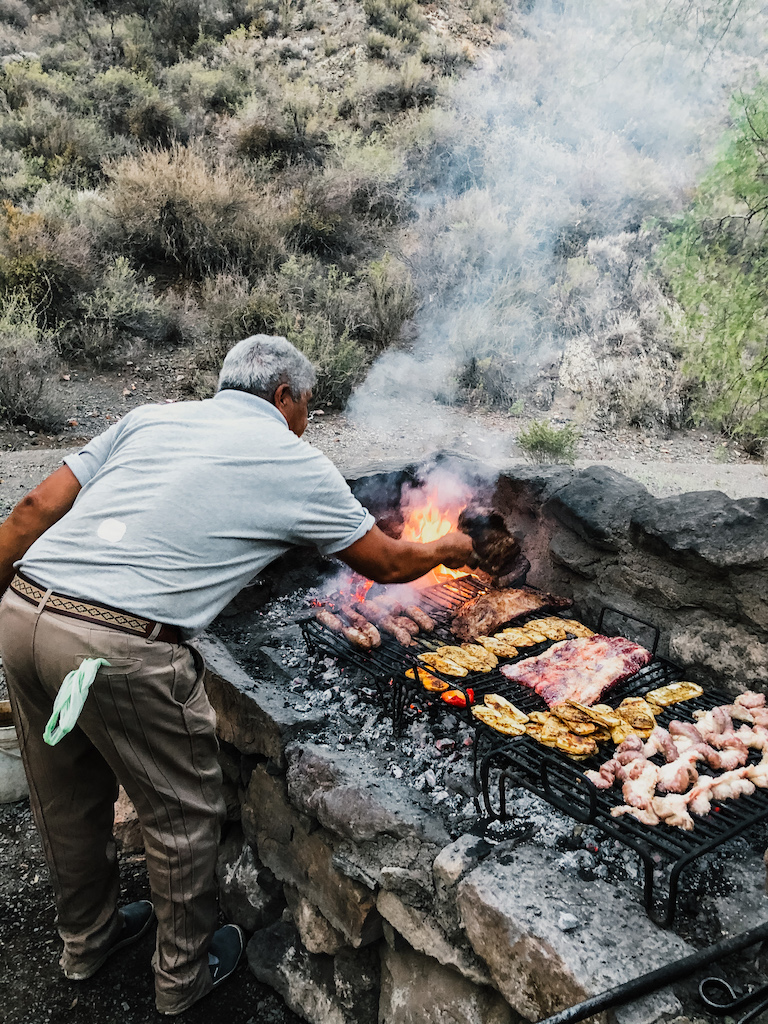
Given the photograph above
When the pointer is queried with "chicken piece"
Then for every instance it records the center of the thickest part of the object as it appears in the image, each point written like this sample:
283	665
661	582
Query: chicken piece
687	736
677	776
673	810
750	699
660	742
498	721
517	636
473	657
420	617
731	785
574	719
739	713
638	713
630	749
638	792
505	707
646	815
576	628
605	776
550	627
673	693
760	716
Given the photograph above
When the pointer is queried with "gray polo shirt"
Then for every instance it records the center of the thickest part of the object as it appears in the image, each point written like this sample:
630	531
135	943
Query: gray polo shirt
183	504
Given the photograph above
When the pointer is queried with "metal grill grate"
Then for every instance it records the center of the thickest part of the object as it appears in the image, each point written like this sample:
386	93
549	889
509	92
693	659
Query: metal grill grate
555	777
502	763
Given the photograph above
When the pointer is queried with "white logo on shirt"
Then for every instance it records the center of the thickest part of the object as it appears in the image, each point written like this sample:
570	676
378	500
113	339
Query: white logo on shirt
112	531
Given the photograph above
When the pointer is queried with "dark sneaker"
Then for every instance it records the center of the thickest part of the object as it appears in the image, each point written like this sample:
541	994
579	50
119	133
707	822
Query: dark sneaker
224	954
137	918
223	957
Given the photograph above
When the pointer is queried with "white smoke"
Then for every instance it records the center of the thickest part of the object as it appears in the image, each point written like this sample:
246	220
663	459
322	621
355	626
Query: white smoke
595	117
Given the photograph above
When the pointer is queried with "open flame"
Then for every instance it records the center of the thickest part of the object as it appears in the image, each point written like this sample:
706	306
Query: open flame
428	516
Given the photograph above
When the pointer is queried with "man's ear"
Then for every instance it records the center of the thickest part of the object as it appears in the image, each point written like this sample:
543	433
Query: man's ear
281	391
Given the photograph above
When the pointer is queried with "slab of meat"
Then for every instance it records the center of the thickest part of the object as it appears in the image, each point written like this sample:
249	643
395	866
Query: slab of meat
582	669
482	616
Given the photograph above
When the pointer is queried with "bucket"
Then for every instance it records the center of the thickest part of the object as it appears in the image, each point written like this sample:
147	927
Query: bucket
13	781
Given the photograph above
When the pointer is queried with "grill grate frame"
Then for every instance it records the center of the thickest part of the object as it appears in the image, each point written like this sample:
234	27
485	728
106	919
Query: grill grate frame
502	763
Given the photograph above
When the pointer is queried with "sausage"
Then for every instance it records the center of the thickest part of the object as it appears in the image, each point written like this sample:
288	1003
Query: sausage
407	624
420	617
383	620
359	621
357	637
329	620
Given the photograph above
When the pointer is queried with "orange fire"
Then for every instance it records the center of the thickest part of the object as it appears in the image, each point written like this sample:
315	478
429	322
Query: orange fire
428	521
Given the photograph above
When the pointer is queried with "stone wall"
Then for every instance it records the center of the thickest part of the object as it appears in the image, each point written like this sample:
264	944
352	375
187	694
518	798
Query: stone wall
695	564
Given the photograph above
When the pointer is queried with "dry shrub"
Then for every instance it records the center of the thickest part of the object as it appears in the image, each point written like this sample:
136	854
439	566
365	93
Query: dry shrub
179	207
27	353
46	260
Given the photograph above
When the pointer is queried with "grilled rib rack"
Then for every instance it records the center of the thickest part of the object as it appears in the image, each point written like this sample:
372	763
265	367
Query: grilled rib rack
558	779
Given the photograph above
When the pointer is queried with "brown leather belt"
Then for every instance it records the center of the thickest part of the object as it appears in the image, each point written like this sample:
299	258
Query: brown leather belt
99	614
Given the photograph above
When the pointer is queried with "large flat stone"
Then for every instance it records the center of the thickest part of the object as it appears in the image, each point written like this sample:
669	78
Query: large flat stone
322	989
513	915
361	806
424	933
253	715
290	844
731	656
241	897
598	505
705	528
415	989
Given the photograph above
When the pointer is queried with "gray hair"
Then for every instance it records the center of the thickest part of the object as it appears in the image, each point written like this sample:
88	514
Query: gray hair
261	363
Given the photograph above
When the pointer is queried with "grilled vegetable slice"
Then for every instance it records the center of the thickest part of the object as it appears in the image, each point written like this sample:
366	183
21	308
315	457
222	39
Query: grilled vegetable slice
501	648
639	714
574	718
673	693
576	746
472	657
428	681
445	665
456	697
498	721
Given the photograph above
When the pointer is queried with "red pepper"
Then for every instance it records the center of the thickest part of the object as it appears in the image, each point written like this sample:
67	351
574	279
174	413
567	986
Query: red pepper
456	697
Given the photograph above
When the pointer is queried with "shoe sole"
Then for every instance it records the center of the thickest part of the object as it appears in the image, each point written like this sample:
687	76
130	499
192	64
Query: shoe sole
85	975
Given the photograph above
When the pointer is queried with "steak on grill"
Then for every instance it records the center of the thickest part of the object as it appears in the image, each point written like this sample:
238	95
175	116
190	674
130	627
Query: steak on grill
582	669
485	614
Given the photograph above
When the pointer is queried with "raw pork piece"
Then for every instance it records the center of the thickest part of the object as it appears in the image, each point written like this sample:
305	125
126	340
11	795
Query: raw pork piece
582	669
483	615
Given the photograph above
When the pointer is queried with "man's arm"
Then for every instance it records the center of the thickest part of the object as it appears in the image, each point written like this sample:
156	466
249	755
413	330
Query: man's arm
385	560
38	510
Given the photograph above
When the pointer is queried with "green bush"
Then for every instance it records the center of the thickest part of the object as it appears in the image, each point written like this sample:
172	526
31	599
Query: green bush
714	260
544	443
131	105
27	354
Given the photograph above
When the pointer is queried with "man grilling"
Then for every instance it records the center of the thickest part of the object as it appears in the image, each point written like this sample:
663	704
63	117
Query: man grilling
134	545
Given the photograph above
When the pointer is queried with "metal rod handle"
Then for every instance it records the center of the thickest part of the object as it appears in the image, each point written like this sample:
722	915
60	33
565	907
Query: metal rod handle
659	978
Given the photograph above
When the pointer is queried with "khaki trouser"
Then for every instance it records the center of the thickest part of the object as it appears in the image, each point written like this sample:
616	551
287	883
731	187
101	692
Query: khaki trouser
147	723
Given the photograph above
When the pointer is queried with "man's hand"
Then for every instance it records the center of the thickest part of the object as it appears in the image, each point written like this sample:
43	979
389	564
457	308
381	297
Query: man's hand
385	560
38	510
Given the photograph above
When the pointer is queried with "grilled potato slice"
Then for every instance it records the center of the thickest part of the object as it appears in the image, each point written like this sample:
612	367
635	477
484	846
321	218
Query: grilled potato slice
553	728
428	681
505	707
575	746
620	732
673	693
516	635
535	634
550	627
442	664
639	714
576	628
469	657
601	734
600	714
498	720
540	717
501	648
575	720
534	730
